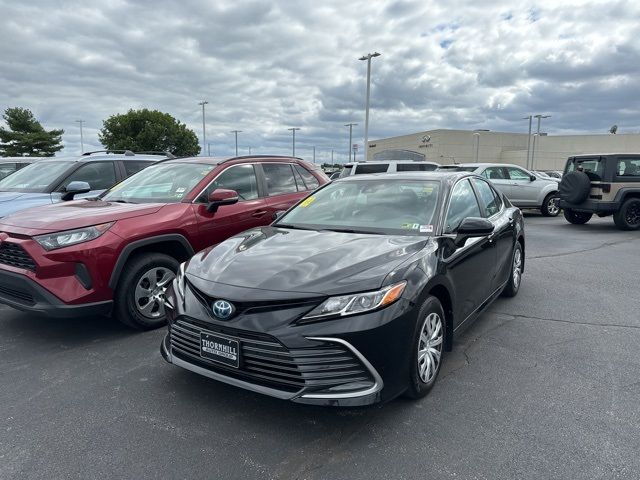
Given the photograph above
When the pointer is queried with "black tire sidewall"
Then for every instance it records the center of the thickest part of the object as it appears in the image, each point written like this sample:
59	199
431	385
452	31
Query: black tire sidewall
510	289
620	217
417	388
124	307
577	218
574	187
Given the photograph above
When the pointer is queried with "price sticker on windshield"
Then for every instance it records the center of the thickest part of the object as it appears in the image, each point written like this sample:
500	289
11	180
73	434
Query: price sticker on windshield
426	228
307	201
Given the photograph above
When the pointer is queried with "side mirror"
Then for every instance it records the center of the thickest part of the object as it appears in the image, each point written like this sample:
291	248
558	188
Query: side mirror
277	215
75	188
219	197
472	227
532	177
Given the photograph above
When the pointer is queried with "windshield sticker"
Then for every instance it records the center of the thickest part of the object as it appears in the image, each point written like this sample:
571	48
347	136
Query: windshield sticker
307	201
410	226
426	228
181	190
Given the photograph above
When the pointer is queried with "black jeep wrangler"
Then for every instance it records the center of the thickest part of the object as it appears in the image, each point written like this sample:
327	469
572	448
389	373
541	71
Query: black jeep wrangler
604	185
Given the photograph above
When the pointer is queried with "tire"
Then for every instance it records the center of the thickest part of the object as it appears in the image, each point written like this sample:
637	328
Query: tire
515	275
136	285
550	205
628	216
430	313
577	218
574	187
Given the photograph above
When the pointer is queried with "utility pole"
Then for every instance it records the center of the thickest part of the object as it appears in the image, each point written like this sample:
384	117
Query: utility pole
293	130
477	142
533	149
204	135
314	154
81	137
530	117
209	149
249	150
350	125
368	58
332	156
236	132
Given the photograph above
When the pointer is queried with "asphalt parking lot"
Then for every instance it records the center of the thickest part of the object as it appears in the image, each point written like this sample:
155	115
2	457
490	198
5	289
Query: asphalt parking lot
545	385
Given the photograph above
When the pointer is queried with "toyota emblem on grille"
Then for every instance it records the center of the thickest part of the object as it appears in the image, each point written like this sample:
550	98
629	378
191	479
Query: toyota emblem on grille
222	309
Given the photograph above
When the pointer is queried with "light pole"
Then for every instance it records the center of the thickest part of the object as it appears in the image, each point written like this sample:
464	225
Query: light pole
350	125
530	117
249	150
477	142
293	130
368	58
332	156
81	137
204	135
209	149
314	154
236	132
533	149
355	150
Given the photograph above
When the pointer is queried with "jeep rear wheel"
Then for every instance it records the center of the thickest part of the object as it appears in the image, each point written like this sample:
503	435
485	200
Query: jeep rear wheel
139	297
628	217
577	218
550	206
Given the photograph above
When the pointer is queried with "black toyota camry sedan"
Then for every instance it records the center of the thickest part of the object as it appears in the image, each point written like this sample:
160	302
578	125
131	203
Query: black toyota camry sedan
352	296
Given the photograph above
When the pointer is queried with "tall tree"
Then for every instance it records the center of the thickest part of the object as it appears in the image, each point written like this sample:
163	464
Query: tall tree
26	137
148	130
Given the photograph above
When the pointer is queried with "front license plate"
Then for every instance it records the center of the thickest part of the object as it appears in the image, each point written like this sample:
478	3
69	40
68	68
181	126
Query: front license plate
220	349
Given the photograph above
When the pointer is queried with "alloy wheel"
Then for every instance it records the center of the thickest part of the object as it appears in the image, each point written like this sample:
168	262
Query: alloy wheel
552	206
632	215
517	268
149	293
430	347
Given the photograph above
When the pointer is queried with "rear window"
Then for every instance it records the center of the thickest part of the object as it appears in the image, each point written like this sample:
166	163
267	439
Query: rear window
346	171
415	167
364	168
593	167
456	168
134	166
628	167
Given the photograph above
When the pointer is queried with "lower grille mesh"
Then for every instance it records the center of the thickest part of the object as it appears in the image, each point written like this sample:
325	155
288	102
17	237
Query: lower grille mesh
14	255
265	361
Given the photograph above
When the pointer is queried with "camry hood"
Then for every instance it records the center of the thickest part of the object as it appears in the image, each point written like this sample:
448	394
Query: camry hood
75	214
302	261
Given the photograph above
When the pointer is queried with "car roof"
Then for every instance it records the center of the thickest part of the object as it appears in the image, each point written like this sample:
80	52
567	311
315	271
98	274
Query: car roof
441	176
102	157
378	162
587	155
479	165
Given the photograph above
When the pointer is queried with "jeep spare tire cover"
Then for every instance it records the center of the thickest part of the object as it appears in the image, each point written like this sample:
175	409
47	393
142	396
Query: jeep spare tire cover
575	187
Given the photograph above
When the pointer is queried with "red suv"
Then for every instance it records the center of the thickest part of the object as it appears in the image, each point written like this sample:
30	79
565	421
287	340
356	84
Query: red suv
115	254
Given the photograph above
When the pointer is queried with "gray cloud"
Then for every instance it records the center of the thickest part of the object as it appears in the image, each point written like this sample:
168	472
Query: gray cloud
265	66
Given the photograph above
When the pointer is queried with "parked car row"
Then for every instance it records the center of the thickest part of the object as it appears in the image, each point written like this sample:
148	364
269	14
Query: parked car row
349	298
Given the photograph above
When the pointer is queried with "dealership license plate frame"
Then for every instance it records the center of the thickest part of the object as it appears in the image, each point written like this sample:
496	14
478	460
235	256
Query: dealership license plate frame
218	355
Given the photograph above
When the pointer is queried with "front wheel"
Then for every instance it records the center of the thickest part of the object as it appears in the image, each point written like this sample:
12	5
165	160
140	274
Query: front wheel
427	348
139	297
577	218
628	217
550	206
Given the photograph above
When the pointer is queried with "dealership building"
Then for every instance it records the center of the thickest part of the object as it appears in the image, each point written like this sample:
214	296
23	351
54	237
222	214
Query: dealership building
548	152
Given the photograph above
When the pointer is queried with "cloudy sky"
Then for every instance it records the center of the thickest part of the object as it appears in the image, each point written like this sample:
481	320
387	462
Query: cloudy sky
265	66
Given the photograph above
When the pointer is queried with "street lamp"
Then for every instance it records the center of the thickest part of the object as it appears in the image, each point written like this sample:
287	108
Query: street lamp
314	154
530	118
204	135
350	125
477	142
368	58
236	132
533	149
81	137
293	130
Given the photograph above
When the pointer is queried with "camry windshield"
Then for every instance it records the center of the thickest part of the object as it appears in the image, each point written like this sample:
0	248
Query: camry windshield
398	207
35	178
163	183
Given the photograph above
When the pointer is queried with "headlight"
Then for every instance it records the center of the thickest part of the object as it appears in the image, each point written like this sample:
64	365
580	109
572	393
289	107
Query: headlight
180	279
357	303
53	241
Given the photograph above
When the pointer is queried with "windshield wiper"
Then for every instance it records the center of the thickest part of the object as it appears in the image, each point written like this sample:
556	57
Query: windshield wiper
120	201
294	227
349	230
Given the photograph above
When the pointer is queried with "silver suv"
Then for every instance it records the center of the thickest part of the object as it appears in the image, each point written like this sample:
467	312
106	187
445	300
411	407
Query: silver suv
522	187
388	166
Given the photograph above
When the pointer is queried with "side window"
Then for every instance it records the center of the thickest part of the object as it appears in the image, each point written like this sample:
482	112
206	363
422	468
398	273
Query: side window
364	168
518	175
415	167
629	167
495	173
134	166
241	178
99	175
279	178
489	199
7	169
309	180
462	204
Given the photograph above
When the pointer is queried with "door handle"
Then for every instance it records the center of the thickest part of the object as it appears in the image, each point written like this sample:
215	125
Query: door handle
258	213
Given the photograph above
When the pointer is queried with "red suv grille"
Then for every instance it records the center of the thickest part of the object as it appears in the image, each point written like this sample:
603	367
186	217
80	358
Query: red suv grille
14	255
